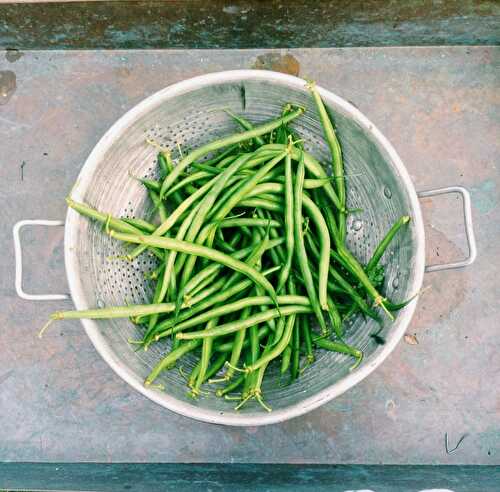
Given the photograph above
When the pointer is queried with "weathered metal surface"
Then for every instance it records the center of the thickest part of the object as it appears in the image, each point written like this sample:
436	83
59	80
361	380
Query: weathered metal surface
60	401
247	477
248	24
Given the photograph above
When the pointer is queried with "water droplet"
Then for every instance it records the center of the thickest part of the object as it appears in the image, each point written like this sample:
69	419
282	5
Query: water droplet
357	225
387	192
395	283
100	303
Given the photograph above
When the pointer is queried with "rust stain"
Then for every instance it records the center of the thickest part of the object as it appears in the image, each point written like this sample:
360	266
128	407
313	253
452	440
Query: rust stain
12	55
445	292
411	339
7	85
123	71
278	63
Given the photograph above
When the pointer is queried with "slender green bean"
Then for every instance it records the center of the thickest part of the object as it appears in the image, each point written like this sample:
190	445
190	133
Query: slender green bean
170	359
110	221
288	219
245	125
206	352
141	224
380	249
158	205
203	251
224	142
234	326
300	246
286	359
295	362
336	153
165	327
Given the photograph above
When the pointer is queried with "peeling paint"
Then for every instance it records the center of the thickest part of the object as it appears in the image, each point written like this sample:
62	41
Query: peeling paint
7	85
485	196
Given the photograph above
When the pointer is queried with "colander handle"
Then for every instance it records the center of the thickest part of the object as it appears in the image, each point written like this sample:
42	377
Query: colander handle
469	231
19	261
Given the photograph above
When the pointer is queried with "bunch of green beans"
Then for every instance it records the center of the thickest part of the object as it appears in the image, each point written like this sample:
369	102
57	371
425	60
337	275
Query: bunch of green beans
252	268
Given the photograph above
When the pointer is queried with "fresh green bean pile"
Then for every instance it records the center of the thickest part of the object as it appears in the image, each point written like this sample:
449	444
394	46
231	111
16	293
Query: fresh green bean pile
253	268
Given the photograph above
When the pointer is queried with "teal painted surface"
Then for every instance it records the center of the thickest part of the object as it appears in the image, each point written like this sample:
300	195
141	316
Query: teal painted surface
249	477
248	24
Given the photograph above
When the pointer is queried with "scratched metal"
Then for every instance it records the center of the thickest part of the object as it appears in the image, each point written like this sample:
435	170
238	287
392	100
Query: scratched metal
438	106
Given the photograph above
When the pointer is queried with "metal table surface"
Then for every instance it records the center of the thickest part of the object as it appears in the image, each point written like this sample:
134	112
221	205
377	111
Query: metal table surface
60	402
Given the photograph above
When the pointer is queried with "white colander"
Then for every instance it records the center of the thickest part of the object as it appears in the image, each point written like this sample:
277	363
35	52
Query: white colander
188	114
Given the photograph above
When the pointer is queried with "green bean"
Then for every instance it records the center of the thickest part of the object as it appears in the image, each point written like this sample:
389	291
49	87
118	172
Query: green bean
239	339
174	216
261	203
246	125
231	201
335	319
253	251
342	348
236	239
238	306
150	184
206	352
111	312
183	183
324	238
220	297
170	262
140	224
231	386
203	251
206	167
295	362
285	359
365	281
206	283
170	359
228	346
380	249
234	326
112	222
195	297
223	142
344	285
167	166
278	254
207	235
216	366
158	205
162	164
246	221
305	330
289	216
309	184
205	207
278	348
336	153
194	374
313	166
300	247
